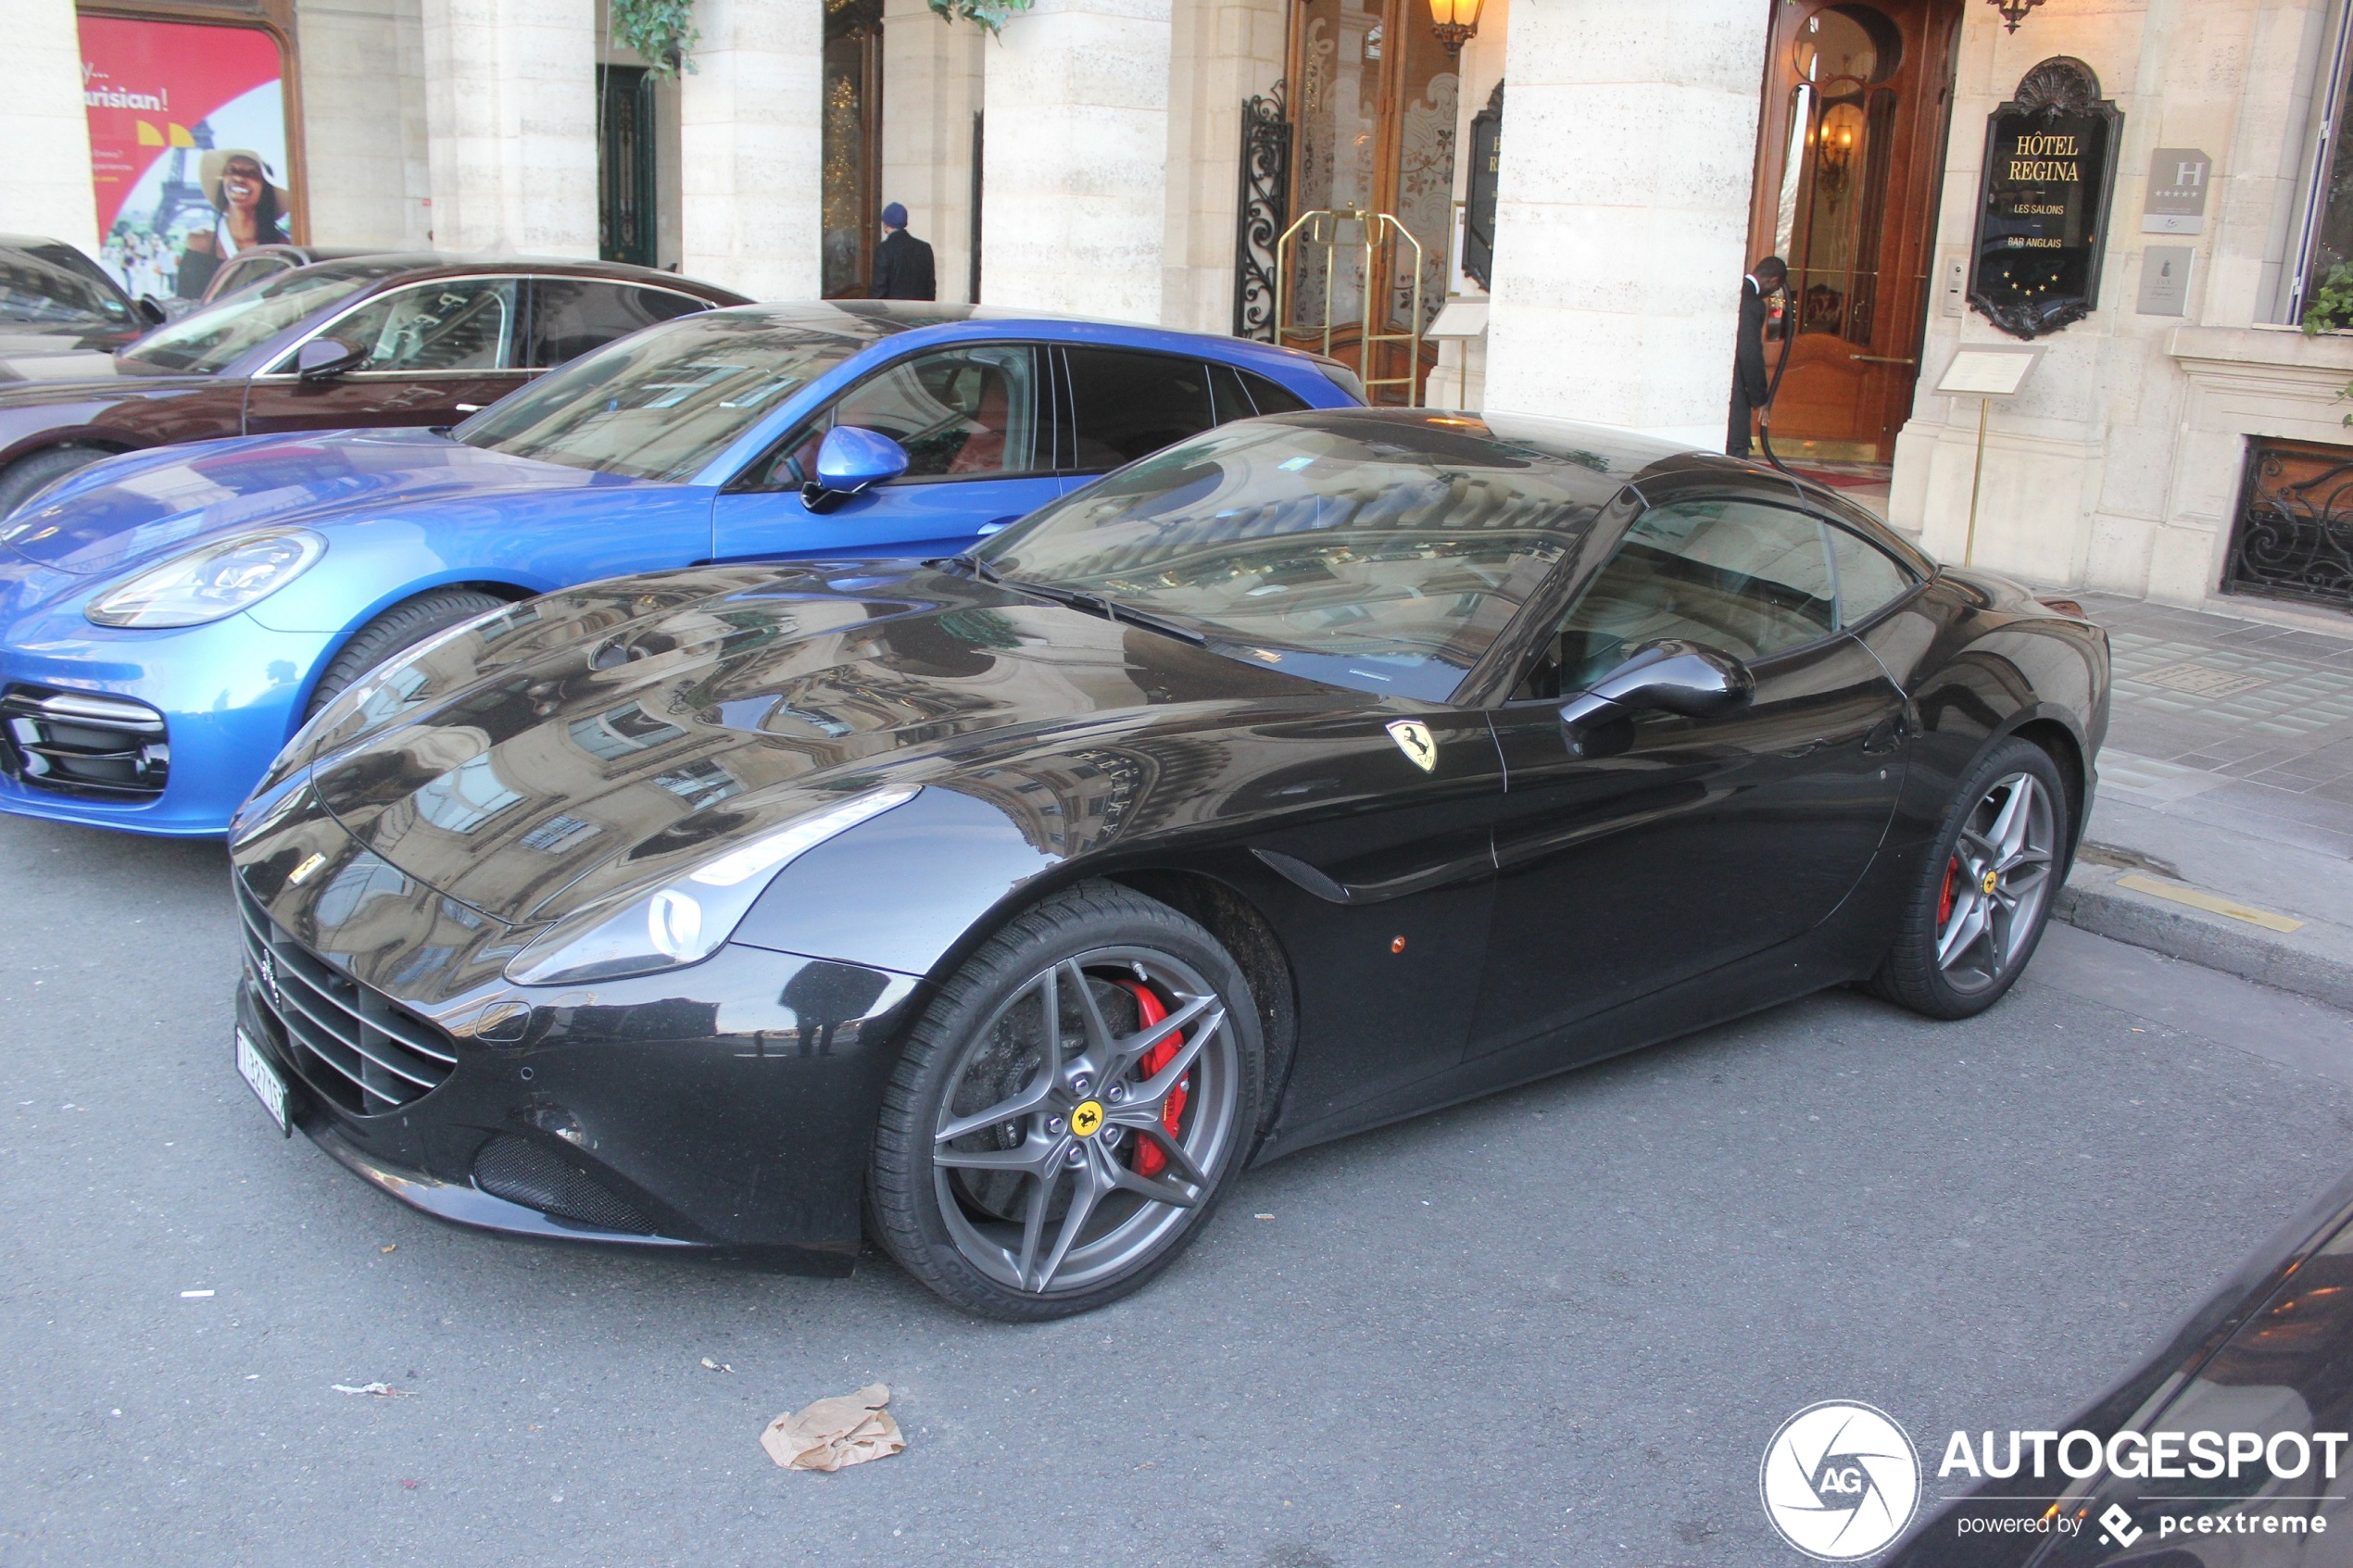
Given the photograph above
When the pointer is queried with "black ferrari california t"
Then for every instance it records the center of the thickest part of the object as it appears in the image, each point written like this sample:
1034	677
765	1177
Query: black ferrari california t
1315	773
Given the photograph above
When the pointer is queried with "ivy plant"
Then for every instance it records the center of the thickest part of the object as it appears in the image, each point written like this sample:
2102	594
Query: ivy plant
659	31
2332	306
990	14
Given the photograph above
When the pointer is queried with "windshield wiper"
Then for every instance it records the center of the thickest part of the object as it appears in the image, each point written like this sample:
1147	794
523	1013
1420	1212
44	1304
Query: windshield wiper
1109	609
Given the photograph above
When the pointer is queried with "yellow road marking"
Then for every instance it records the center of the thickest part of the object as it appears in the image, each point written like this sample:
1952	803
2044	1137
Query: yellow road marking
2211	902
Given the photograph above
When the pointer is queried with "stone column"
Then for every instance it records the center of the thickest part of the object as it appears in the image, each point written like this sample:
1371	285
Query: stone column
932	73
1074	203
1629	152
1225	51
511	116
48	192
751	149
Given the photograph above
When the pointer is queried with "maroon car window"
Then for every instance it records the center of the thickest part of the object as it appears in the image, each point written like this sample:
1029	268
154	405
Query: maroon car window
451	324
209	339
573	316
1130	406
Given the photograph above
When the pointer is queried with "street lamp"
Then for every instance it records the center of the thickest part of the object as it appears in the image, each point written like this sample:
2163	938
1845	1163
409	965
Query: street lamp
1455	22
2014	11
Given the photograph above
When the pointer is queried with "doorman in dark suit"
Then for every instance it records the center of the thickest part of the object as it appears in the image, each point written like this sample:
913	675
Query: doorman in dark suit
902	263
1750	383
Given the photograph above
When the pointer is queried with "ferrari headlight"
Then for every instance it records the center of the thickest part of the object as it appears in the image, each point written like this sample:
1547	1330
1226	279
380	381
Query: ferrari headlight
685	921
205	584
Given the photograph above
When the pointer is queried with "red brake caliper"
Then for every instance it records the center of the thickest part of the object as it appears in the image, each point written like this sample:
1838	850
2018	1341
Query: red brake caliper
1150	1161
1945	899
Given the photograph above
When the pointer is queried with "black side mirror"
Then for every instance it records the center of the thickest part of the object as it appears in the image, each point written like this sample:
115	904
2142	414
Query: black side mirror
150	310
325	359
1671	676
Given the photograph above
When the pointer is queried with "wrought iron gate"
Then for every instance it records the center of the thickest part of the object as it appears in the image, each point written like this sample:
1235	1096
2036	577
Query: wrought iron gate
2294	534
1262	213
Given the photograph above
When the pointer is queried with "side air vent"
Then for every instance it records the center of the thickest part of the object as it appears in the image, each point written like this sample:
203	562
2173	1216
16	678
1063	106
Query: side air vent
539	1178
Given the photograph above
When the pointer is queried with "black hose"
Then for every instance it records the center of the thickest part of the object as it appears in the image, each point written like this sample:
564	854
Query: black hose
1780	367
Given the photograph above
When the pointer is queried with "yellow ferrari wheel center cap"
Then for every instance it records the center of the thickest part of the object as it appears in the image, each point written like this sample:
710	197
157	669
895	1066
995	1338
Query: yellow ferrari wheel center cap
1992	880
1084	1117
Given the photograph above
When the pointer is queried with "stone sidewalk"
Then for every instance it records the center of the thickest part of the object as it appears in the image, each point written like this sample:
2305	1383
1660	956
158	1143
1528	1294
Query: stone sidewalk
2223	831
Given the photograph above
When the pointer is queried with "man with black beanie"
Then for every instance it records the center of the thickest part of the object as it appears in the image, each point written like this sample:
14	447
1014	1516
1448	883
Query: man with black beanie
902	263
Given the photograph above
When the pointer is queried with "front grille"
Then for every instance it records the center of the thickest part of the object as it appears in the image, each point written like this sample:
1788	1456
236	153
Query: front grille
539	1178
80	743
349	1042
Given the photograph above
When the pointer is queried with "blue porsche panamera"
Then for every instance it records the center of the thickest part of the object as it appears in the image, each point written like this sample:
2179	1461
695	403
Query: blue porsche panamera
169	618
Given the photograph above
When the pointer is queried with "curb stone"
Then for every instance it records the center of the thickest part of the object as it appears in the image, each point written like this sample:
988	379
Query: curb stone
2315	962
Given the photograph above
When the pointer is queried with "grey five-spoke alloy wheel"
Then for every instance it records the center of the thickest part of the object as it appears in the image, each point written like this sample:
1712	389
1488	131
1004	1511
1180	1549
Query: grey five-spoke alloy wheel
1984	895
1069	1110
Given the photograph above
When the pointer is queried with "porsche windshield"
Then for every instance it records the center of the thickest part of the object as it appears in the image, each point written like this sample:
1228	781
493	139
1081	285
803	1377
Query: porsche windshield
662	404
1386	565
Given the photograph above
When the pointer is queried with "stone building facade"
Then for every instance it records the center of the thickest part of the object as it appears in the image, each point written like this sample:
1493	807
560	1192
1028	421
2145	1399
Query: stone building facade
1586	180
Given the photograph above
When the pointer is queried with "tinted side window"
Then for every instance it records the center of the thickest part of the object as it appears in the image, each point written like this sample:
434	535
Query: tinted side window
1741	576
458	325
1128	405
1867	579
1271	398
962	413
572	316
1227	392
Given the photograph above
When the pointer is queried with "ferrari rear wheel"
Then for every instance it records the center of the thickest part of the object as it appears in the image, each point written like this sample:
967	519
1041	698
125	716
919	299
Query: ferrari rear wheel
1986	894
1070	1109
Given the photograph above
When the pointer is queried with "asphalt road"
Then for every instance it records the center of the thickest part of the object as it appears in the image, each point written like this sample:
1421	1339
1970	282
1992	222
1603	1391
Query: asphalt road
1556	1326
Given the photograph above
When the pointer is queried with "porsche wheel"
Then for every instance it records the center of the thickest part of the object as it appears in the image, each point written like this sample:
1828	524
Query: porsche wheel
1979	910
1070	1109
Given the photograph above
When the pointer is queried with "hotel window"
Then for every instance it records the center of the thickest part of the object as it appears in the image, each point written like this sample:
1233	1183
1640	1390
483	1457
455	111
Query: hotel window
2320	292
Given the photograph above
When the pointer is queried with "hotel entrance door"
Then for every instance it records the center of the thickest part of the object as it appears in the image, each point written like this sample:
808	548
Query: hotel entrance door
1851	143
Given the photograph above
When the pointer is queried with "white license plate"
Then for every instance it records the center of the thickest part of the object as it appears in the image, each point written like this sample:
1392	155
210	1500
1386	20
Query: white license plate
267	1085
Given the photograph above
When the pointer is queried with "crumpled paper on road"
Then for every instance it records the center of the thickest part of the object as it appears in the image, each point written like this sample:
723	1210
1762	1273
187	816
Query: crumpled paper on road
847	1429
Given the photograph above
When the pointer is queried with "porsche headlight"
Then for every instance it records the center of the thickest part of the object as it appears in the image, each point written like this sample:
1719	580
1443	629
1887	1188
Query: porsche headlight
685	921
205	584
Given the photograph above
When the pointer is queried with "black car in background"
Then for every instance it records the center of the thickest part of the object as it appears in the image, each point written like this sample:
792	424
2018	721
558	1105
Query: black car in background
2269	1355
54	300
1314	772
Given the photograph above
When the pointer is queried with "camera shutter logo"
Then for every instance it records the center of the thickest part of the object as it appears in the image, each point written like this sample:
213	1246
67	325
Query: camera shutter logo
1840	1481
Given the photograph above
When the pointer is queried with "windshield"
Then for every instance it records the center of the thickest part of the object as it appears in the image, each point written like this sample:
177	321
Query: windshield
1385	566
204	342
660	404
42	289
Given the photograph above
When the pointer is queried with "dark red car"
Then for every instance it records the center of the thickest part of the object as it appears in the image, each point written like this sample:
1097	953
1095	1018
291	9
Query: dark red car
377	340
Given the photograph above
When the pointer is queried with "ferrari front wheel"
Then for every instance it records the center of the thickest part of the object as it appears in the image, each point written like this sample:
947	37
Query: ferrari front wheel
1974	917
1069	1110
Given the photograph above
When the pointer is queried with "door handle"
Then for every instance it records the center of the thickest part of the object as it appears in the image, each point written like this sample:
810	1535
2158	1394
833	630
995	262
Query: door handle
1881	360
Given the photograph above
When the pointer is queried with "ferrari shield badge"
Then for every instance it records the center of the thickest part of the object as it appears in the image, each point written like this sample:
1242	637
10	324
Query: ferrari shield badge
1412	738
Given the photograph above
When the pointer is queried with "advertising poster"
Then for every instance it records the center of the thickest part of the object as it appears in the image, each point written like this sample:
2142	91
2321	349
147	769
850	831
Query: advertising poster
187	148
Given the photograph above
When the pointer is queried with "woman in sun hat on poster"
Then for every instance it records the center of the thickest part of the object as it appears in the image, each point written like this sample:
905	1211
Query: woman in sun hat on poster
250	211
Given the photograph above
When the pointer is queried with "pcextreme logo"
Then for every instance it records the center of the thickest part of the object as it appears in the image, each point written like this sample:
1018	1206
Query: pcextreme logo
1840	1480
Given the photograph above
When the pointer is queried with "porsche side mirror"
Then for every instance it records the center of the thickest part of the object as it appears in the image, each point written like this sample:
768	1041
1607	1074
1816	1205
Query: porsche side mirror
1670	676
850	462
325	359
